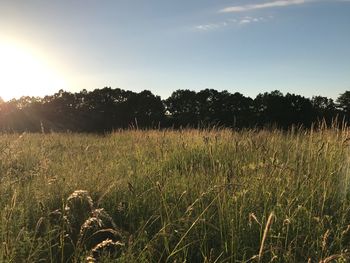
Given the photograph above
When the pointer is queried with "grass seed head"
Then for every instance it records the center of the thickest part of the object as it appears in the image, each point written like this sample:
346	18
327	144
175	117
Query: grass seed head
99	227
252	217
107	220
106	247
325	239
79	206
79	200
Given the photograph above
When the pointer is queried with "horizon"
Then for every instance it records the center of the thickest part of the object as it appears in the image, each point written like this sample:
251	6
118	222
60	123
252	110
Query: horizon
250	47
164	98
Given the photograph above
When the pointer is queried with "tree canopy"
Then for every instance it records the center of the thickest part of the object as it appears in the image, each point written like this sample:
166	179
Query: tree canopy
107	109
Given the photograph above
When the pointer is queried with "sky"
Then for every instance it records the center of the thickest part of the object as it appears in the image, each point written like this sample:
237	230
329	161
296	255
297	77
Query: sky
246	46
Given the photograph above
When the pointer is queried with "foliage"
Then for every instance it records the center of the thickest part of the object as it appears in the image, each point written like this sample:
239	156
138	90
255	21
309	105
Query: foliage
344	101
107	109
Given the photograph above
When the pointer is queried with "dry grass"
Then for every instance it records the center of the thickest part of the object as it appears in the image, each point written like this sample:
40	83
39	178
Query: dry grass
171	196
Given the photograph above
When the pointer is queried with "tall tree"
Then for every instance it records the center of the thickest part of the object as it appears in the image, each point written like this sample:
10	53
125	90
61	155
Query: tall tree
343	102
182	108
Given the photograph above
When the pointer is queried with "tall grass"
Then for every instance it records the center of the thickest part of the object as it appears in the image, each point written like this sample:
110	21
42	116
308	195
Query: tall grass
194	196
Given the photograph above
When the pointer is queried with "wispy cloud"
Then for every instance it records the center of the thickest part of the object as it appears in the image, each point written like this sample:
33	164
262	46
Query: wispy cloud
249	20
211	26
278	3
245	20
231	22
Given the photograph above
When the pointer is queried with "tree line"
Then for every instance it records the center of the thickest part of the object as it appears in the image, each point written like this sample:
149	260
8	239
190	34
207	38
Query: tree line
107	109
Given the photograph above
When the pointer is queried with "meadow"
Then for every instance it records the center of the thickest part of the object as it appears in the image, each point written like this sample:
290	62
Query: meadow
176	196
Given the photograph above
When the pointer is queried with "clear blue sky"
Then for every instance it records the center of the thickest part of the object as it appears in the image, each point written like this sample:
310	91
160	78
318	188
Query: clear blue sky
249	46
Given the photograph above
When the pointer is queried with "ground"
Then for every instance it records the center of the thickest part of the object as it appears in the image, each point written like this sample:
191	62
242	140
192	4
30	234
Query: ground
171	196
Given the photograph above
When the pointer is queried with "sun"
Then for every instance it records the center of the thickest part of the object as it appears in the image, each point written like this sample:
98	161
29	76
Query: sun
24	73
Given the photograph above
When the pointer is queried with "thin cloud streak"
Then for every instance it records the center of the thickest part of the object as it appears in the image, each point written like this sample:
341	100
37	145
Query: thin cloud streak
241	21
279	3
213	26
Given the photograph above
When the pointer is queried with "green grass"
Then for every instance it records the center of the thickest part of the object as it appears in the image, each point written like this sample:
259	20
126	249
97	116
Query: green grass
186	196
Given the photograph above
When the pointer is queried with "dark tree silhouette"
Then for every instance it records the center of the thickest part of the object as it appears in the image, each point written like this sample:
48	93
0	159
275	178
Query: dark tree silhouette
300	111
146	109
343	102
324	109
270	108
182	108
107	109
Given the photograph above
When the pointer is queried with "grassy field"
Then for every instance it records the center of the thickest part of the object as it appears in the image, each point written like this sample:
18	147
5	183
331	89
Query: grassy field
176	196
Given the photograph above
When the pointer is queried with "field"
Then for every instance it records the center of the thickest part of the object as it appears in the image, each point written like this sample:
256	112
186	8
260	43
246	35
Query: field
176	196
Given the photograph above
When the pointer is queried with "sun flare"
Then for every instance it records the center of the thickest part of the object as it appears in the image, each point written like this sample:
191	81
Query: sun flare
24	73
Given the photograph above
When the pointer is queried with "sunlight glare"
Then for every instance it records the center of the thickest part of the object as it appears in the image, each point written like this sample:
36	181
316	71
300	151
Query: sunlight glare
25	74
